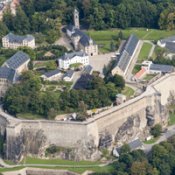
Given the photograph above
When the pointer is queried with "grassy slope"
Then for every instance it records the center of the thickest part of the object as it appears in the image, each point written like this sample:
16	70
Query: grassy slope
144	52
171	119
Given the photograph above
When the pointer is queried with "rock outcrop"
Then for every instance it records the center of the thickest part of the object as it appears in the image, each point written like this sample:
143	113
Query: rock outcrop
129	130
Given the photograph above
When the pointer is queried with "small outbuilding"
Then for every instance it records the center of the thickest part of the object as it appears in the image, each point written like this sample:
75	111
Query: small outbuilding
134	145
54	75
68	76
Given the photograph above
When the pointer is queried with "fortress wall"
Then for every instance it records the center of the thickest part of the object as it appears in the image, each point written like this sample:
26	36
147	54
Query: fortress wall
62	133
164	86
67	134
113	119
3	124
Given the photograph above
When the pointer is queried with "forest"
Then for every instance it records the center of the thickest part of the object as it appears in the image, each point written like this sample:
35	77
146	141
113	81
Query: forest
44	18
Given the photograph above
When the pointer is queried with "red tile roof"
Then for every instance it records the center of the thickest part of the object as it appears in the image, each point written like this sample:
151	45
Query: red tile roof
139	74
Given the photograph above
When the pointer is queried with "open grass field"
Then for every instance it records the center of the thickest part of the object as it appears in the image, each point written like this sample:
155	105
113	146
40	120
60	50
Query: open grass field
129	92
171	119
103	38
31	160
144	53
105	169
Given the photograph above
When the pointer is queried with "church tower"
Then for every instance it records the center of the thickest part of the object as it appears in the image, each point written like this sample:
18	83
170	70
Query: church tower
76	19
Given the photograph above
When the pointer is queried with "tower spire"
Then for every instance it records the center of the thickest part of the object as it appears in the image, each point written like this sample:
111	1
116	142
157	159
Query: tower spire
76	19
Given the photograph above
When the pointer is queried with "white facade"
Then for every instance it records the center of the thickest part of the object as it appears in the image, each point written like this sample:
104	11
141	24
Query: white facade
6	43
64	63
55	77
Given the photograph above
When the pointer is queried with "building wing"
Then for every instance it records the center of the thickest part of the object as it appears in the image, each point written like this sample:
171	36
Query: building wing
17	60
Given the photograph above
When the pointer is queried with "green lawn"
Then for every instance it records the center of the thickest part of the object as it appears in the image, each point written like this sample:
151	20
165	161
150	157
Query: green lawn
43	64
153	140
105	169
148	77
2	60
104	37
31	160
142	33
144	53
171	119
29	116
128	91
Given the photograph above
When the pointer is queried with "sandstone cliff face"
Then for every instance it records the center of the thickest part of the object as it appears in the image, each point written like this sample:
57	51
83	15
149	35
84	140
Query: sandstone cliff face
86	150
129	130
27	142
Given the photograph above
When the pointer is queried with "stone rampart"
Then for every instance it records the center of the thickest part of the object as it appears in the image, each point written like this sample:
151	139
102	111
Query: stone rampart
69	134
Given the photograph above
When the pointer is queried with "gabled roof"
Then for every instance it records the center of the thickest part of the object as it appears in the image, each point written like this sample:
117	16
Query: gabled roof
69	74
131	44
87	69
18	39
135	144
170	46
72	55
83	81
127	53
162	68
7	73
84	38
52	73
17	60
70	27
169	39
140	73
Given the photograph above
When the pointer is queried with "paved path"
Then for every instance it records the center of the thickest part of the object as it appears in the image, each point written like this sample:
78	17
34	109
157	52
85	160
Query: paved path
64	41
99	61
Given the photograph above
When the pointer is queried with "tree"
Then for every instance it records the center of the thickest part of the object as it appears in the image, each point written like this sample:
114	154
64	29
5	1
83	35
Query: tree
29	51
118	81
52	113
112	45
125	149
21	22
167	18
3	29
139	168
8	20
120	35
156	130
